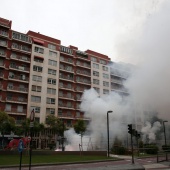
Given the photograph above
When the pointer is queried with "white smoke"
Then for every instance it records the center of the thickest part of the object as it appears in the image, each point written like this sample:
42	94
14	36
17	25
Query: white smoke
149	131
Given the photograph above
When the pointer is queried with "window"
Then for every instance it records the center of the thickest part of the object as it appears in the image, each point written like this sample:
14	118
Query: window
95	66
51	81
37	78
77	114
105	83
59	112
51	91
37	68
52	62
38	60
97	89
39	50
95	81
105	68
94	59
69	113
50	100
36	99
50	111
51	46
36	88
102	62
105	91
8	107
66	50
36	109
52	54
50	71
20	108
106	76
19	36
95	73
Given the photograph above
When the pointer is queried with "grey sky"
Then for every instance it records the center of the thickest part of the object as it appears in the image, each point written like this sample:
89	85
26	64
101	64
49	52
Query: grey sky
90	24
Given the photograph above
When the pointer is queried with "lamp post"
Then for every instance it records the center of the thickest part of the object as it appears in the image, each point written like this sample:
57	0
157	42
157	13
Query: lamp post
108	130
165	136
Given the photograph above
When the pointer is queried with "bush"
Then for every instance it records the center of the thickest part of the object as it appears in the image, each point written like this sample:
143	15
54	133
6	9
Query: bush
51	146
165	147
120	150
151	148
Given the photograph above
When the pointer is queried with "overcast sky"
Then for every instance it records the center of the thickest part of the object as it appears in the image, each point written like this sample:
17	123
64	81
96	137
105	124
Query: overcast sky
98	25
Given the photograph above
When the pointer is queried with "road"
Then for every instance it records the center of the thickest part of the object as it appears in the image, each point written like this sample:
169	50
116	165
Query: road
147	163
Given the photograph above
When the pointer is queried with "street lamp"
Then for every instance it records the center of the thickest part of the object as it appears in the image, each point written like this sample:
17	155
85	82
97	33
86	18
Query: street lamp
165	136
108	130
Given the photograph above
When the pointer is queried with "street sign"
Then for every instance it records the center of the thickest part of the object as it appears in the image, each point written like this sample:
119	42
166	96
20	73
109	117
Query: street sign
20	145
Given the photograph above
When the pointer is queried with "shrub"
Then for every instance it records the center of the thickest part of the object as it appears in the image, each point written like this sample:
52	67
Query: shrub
165	147
120	150
151	148
51	146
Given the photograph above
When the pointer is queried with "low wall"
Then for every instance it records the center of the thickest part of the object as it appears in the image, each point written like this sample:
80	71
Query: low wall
42	152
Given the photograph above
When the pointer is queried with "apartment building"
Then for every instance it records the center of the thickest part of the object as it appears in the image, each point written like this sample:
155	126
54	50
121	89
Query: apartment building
37	71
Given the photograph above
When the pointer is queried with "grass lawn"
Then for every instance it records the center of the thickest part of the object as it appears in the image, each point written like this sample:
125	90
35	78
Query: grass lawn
14	159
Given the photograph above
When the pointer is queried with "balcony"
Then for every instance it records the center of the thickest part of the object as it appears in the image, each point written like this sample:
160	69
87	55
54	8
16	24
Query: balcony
17	89
1	75
67	69
16	100
18	78
21	48
21	37
65	116
3	33
2	65
2	54
66	106
116	81
20	68
82	117
84	73
66	60
79	89
3	43
66	77
20	58
16	111
67	87
83	65
66	96
119	73
78	98
83	81
119	89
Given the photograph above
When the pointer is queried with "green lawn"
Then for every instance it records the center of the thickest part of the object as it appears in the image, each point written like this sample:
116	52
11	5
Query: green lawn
14	159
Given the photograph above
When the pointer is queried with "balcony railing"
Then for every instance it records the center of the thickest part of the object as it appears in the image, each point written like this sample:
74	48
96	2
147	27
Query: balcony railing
21	78
83	64
16	110
2	65
65	105
3	33
119	89
66	60
66	77
66	96
3	43
21	58
66	68
16	99
27	69
22	48
83	72
65	86
15	88
2	54
84	81
116	81
79	89
1	75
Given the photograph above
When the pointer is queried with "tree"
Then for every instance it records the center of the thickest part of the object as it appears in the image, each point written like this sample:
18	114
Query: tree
80	128
55	124
7	124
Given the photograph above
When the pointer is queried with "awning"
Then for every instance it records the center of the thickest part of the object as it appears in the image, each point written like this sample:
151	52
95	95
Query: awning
39	57
38	41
